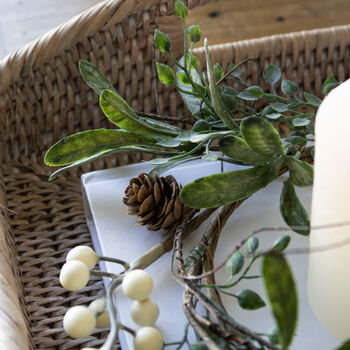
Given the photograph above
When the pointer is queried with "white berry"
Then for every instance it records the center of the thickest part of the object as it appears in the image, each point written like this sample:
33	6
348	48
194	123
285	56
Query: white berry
79	322
84	254
148	338
98	308
74	275
144	312
137	285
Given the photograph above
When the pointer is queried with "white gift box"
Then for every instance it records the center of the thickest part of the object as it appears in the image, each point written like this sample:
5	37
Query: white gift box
115	234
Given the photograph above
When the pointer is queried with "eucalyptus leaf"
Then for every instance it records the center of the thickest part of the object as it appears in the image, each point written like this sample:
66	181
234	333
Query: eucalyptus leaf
330	80
250	300
274	335
301	173
279	107
162	41
185	136
237	72
182	77
281	243
208	136
215	190
300	122
170	164
235	263
252	245
252	93
201	125
218	72
312	100
193	103
94	78
292	211
199	346
273	116
220	108
121	114
289	88
88	143
297	140
238	150
103	154
282	294
329	87
261	136
272	74
169	143
165	74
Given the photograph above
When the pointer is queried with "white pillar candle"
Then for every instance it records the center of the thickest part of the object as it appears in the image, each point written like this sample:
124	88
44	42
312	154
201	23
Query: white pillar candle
329	271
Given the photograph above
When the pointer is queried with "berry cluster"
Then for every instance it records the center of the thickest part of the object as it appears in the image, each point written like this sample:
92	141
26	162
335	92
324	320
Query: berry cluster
80	321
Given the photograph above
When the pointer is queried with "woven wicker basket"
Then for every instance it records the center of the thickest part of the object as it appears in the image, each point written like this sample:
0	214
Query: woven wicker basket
42	99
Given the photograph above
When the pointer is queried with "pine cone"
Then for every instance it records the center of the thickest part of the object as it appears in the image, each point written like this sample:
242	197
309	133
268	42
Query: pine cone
156	202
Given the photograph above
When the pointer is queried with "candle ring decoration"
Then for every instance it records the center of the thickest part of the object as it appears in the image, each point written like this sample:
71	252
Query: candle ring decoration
267	129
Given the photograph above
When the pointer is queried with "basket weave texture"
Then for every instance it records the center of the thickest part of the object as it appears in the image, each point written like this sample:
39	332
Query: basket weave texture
43	98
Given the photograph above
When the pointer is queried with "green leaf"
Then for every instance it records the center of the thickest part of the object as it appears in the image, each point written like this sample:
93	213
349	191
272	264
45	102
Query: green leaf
274	336
182	77
249	300
220	108
193	103
170	164
199	346
312	100
273	116
281	243
301	173
88	143
218	72
345	346
261	136
122	115
300	122
238	150
289	88
329	87
169	143
292	211
194	33
180	9
297	140
237	72
279	107
208	136
162	41
252	244
165	74
282	294
103	154
185	136
272	74
252	93
94	78
330	80
235	263
201	125
218	189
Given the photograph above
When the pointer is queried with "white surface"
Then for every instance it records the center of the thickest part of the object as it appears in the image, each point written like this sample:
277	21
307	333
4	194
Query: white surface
329	285
118	236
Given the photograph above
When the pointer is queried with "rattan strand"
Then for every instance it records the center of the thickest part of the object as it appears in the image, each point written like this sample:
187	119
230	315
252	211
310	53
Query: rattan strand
42	99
